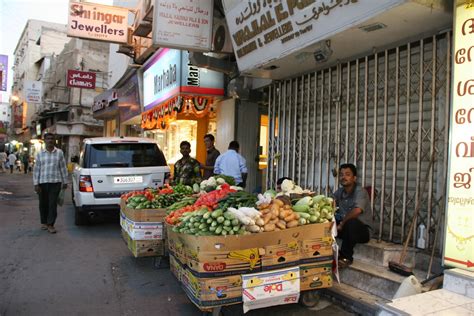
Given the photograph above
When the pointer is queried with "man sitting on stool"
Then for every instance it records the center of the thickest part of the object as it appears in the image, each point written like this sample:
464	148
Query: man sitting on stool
353	213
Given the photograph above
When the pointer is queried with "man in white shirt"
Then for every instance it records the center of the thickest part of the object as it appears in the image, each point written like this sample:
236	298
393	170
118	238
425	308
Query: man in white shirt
12	161
231	163
3	160
49	177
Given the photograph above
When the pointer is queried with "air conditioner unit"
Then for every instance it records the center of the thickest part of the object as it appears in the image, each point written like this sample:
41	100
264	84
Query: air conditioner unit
221	42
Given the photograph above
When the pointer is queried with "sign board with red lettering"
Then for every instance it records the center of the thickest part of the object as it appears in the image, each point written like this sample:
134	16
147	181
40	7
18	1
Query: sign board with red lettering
183	24
459	232
98	22
271	288
80	79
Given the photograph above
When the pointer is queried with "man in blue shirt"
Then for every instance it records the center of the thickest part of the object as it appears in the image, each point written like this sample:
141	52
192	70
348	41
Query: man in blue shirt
353	213
231	163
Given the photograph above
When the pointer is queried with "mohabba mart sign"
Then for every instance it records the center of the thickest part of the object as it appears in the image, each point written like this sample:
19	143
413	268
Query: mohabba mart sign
81	79
98	22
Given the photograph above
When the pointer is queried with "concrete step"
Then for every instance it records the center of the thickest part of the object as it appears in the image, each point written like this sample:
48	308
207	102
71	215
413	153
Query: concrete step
380	253
353	299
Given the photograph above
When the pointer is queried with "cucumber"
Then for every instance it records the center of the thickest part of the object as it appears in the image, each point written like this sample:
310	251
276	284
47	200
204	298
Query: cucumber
304	215
229	216
220	219
202	226
235	222
209	220
218	212
313	219
214	224
218	230
212	228
236	228
206	215
224	232
226	223
227	228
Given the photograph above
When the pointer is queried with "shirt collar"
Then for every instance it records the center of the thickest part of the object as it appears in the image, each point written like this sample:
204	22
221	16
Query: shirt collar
54	150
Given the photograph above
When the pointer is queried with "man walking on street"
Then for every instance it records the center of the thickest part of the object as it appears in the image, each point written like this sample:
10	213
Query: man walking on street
353	213
212	154
12	161
231	163
49	176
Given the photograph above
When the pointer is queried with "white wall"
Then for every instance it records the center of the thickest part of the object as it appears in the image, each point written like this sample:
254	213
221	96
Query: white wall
225	124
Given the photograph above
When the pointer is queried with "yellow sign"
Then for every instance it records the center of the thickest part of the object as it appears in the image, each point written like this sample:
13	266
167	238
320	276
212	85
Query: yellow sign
459	236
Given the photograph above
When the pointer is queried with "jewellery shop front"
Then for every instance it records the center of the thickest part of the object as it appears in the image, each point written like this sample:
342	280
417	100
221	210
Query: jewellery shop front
180	103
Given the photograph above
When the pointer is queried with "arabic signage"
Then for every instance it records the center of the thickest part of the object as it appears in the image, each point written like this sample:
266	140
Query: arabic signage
33	91
104	100
262	30
3	72
97	22
459	236
185	24
270	288
80	79
170	73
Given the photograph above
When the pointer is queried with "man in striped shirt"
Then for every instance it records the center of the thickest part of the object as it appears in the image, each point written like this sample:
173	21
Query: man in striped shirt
49	176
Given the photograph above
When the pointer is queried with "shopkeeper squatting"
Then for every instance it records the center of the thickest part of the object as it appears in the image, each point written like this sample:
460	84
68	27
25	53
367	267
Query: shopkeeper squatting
353	213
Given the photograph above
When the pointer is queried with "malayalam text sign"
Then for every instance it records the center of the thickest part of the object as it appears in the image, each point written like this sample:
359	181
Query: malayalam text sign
80	79
459	236
97	22
263	30
185	24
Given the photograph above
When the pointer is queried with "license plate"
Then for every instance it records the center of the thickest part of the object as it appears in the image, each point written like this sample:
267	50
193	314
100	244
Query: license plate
127	180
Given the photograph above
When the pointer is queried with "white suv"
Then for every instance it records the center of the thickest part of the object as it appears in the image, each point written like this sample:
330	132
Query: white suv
111	166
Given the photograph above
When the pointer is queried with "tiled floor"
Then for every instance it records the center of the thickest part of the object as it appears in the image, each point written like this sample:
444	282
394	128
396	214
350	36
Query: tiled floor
438	302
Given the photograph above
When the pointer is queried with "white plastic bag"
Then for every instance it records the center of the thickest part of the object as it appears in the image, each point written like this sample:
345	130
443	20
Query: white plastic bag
61	198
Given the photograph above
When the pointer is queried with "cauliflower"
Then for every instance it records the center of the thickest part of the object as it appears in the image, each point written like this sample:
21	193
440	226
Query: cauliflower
287	185
220	181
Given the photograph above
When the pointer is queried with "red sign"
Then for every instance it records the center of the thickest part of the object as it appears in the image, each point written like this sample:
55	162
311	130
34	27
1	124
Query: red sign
81	79
214	266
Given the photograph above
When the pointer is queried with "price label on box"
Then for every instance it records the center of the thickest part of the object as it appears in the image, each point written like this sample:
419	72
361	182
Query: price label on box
270	288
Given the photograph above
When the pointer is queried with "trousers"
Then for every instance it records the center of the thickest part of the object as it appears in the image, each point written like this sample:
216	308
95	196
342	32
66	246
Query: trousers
48	202
353	232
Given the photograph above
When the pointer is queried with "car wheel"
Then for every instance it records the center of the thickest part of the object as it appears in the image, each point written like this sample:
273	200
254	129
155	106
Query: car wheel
310	298
80	218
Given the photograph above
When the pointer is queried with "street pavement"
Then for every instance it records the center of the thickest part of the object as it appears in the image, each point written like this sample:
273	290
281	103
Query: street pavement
85	270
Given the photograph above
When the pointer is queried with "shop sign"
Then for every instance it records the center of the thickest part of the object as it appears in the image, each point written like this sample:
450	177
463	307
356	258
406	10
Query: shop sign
104	100
98	22
33	91
129	99
170	73
270	288
80	79
3	72
459	233
183	24
263	30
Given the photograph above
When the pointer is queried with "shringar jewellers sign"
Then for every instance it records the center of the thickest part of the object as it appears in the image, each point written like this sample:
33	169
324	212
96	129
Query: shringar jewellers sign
262	30
97	22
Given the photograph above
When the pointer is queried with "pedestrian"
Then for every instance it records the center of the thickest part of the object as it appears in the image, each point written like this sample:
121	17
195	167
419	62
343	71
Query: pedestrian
49	176
212	154
25	159
11	161
187	170
231	163
3	160
353	213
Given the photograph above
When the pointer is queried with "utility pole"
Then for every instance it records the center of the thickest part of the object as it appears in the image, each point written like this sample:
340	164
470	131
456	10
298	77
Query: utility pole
80	89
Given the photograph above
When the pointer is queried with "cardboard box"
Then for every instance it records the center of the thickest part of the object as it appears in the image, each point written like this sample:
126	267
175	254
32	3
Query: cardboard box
144	248
271	288
316	249
281	256
210	292
211	256
316	276
143	215
142	230
176	268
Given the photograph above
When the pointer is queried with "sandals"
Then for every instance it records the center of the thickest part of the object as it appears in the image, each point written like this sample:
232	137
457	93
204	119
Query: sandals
344	262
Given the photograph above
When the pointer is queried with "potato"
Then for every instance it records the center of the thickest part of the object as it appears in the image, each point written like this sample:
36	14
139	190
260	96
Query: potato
285	213
287	207
278	202
266	218
290	217
281	224
293	223
274	220
263	206
252	228
259	221
265	210
269	227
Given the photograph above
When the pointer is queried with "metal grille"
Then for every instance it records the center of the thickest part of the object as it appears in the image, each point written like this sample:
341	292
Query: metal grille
387	113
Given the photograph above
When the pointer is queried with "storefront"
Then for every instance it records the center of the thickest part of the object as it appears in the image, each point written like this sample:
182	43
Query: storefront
181	103
106	108
354	84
